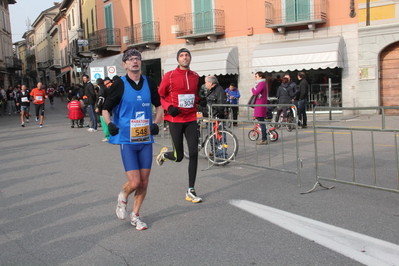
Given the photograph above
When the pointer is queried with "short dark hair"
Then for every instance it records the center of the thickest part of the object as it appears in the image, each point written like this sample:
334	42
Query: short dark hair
261	74
301	74
129	52
232	84
87	76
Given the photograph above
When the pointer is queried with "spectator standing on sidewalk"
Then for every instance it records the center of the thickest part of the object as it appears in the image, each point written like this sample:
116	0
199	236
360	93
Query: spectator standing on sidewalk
130	99
260	91
233	95
11	108
89	98
302	98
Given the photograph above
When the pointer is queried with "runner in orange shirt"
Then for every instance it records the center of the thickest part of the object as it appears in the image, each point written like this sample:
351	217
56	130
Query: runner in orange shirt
39	95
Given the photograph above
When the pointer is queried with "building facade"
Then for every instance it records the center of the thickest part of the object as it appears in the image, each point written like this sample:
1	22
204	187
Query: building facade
378	51
9	63
346	48
43	44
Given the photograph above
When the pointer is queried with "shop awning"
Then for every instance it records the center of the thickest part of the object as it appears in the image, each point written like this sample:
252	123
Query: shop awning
219	61
115	60
297	55
62	74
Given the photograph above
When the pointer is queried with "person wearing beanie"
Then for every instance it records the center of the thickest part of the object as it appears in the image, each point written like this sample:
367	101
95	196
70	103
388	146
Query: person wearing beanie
179	95
130	99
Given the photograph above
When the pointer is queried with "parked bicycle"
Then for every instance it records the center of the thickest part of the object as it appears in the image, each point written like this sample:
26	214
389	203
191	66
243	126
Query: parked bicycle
254	133
220	146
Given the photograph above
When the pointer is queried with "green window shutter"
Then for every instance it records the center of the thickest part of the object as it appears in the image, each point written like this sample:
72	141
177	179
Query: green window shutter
303	10
147	30
109	24
290	14
203	16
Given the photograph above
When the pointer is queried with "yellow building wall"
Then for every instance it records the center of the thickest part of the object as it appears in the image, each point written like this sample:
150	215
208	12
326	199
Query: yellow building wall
87	7
378	13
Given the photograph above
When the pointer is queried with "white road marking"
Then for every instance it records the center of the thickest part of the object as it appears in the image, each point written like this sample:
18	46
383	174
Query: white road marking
362	248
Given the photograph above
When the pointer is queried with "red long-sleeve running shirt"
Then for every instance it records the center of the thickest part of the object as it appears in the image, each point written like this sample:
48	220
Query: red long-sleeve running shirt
179	88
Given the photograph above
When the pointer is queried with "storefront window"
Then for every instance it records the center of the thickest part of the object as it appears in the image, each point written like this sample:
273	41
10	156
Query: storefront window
319	93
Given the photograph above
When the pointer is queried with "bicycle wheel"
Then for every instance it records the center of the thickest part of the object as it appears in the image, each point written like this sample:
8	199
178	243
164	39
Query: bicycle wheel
273	135
253	135
221	148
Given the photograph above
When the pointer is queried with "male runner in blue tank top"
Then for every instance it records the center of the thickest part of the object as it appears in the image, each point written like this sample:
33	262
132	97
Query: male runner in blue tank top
130	99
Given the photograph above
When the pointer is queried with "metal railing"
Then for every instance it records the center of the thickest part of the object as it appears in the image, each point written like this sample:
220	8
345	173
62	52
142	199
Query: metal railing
104	38
282	155
55	63
200	23
12	62
371	160
147	32
286	13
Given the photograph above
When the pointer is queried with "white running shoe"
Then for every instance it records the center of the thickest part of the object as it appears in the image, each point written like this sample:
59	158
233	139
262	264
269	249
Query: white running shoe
121	207
92	130
160	157
192	196
136	221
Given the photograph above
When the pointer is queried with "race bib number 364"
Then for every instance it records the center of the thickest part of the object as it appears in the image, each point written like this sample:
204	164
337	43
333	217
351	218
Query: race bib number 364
186	100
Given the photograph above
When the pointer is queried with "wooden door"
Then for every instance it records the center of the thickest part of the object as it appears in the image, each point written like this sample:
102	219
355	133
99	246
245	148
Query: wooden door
389	79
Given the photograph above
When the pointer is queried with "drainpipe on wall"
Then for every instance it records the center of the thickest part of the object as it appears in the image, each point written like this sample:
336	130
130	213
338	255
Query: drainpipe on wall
131	20
368	13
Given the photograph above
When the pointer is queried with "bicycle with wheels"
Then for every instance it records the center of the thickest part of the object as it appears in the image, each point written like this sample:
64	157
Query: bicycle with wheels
219	145
254	133
286	119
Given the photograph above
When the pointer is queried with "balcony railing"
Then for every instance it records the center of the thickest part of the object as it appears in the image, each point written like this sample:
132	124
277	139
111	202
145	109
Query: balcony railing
146	33
55	63
105	39
200	24
281	13
12	63
43	65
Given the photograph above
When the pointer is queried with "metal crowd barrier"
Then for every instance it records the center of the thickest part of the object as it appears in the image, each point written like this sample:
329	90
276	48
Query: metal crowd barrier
368	158
282	155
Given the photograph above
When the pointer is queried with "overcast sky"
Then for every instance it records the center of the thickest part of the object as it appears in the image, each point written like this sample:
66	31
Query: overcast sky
24	10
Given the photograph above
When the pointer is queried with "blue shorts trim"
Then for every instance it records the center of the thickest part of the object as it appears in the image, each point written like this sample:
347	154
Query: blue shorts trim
136	156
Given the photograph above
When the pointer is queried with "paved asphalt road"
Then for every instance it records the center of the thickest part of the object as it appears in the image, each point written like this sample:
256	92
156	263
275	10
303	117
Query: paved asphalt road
58	191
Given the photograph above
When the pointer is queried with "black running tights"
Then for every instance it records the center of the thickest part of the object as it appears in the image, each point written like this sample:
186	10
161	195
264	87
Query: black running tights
190	131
